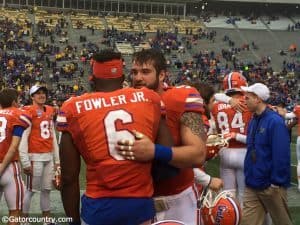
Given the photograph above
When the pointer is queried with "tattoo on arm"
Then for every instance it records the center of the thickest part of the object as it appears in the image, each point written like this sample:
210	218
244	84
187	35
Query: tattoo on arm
195	123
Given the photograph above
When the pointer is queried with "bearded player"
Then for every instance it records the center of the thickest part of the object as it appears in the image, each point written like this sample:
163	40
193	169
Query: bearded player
175	198
119	190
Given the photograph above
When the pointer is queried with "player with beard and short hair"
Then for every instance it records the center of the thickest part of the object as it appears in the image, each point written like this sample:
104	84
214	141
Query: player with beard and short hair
119	190
176	197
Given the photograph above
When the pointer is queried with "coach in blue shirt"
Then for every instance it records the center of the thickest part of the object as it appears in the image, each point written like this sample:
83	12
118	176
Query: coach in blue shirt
267	162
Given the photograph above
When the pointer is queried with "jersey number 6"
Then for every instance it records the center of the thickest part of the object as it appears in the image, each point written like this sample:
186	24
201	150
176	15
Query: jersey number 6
111	132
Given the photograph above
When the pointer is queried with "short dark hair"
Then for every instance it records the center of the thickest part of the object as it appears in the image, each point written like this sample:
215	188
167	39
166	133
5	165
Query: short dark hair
106	55
7	96
154	55
206	91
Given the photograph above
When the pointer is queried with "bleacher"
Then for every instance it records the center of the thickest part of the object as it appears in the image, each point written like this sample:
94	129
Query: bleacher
141	46
123	23
125	48
279	24
82	20
14	15
153	24
185	24
50	19
17	16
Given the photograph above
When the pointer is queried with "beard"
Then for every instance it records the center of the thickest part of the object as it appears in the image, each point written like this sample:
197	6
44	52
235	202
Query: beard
140	84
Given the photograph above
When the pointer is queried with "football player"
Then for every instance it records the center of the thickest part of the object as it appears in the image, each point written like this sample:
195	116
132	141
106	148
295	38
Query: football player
118	190
12	124
292	115
202	178
233	125
176	197
297	113
38	150
231	160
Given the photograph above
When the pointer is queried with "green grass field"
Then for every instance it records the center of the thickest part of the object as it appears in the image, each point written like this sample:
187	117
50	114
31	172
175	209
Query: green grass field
212	168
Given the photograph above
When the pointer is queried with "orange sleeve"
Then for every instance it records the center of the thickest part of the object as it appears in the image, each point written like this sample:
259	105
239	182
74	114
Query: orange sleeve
23	119
64	117
297	111
192	101
214	110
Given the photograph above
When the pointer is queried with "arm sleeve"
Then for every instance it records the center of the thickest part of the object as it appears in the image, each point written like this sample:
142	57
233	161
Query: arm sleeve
241	138
201	177
23	148
221	97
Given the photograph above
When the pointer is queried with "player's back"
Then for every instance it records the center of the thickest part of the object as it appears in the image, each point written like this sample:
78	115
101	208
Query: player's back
97	121
9	118
229	120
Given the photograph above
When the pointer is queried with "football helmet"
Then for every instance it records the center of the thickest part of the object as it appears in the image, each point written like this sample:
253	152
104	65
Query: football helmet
222	209
168	222
214	143
233	81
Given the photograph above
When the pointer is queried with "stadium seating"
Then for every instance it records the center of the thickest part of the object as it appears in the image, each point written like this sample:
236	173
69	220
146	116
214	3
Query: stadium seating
87	21
123	23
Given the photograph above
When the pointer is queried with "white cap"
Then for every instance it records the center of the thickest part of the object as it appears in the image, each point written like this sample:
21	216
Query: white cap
35	88
261	90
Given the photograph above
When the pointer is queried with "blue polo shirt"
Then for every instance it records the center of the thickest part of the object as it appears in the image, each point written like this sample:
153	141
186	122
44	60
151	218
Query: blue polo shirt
268	151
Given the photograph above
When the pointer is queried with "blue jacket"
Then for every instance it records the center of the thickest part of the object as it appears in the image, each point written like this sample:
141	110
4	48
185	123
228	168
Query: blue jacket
268	152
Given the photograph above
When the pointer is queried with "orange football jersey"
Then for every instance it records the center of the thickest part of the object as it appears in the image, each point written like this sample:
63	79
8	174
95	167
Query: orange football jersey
41	136
9	118
178	100
297	113
229	120
96	122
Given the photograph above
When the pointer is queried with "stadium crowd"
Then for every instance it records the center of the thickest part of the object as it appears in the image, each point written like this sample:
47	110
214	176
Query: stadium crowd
44	70
21	69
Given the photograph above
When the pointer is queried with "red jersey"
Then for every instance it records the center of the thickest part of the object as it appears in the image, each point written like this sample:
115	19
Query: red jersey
9	118
178	100
229	120
297	113
41	136
96	122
